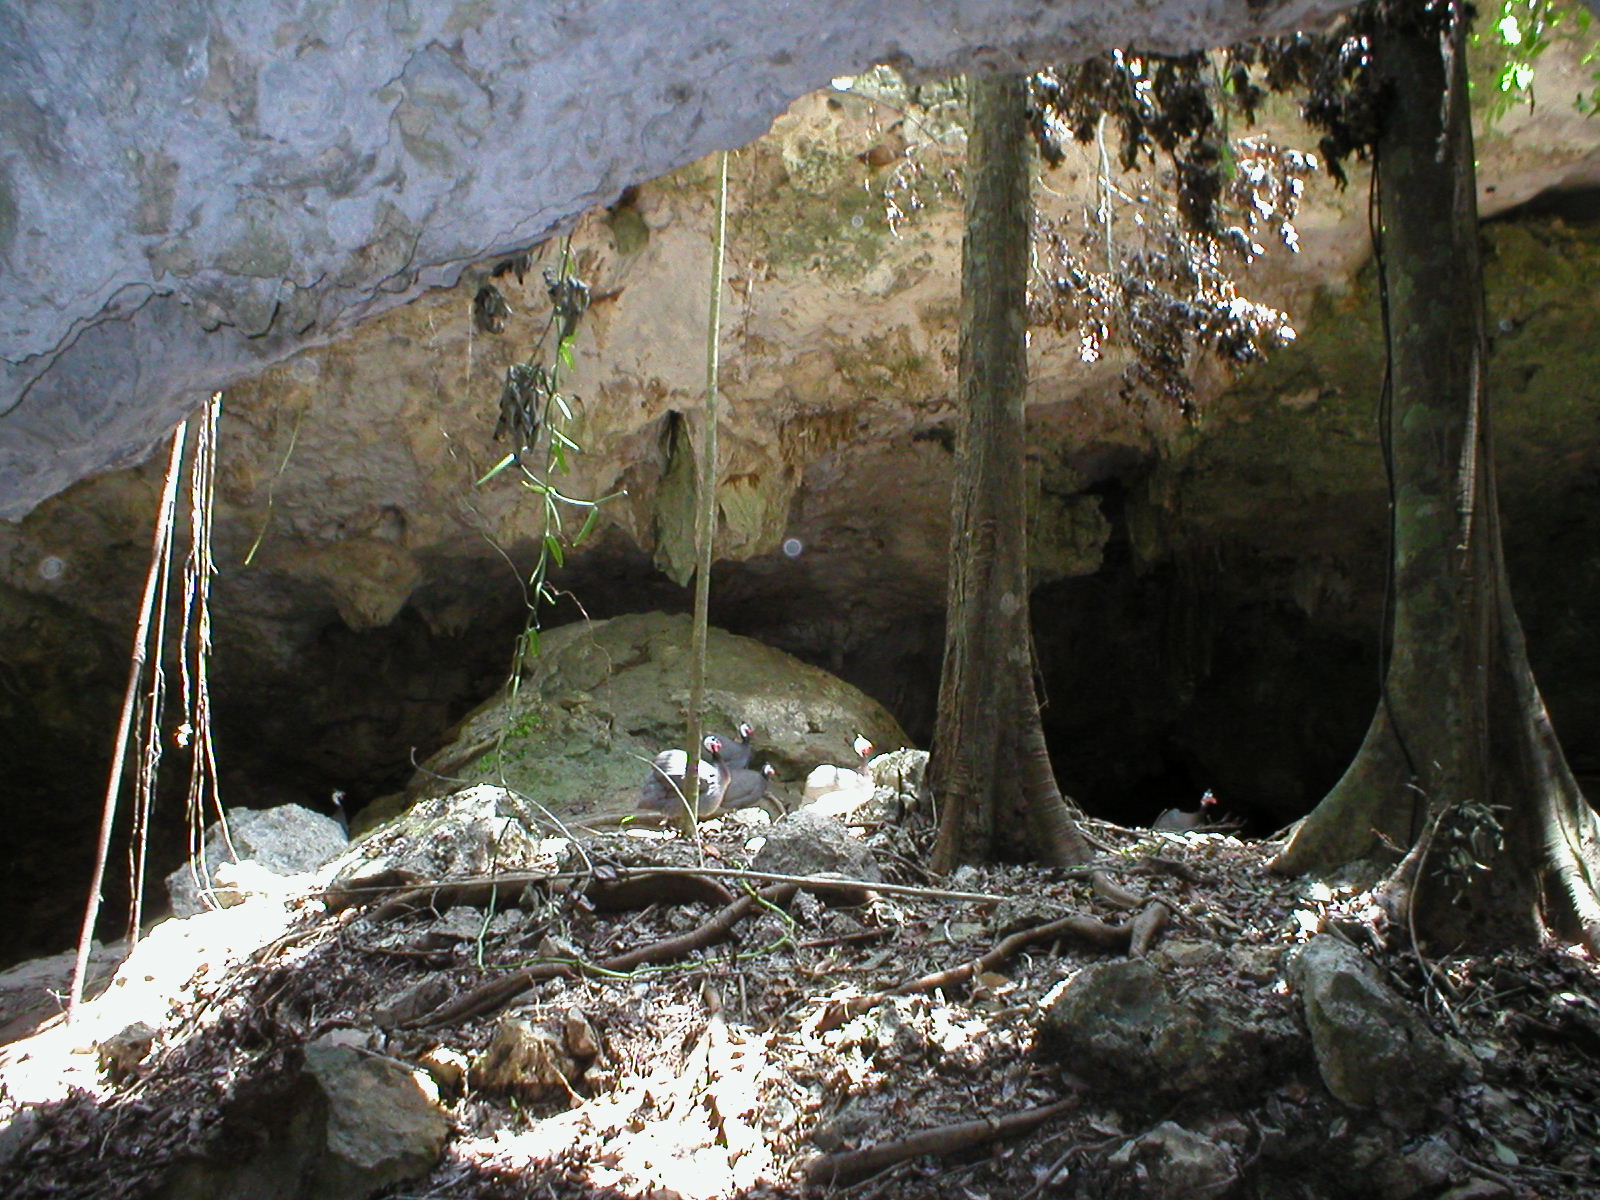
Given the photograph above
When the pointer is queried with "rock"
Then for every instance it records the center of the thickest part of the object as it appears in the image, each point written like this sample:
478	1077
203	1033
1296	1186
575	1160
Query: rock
1178	952
447	1066
525	1060
1117	1026
1421	1169
124	1050
901	771
579	1035
348	1126
805	843
204	271
603	697
894	797
414	1000
1478	1189
30	991
476	831
1371	1047
1171	1161
279	842
384	1124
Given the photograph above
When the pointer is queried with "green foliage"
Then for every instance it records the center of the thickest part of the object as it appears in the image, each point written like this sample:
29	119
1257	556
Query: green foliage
535	415
1514	33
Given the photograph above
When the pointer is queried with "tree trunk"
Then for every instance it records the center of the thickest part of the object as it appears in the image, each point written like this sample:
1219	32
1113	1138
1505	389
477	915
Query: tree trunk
1460	766
989	769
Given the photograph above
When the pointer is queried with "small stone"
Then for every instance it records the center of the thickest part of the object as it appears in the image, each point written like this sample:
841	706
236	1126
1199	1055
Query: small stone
124	1050
1173	1161
1189	954
524	1059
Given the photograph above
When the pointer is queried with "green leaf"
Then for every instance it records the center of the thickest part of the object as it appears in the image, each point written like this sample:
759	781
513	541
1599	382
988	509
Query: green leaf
558	456
561	403
564	352
496	469
553	544
588	524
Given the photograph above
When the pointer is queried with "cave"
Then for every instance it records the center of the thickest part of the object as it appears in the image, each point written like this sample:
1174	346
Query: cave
1209	594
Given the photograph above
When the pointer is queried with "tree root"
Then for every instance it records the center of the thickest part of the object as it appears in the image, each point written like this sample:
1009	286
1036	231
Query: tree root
478	891
1101	935
494	993
851	1166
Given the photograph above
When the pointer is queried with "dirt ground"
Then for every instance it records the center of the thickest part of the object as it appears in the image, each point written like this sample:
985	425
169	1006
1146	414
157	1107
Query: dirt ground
719	1044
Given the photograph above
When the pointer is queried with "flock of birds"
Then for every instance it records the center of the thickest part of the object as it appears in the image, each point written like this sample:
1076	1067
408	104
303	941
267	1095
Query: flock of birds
728	781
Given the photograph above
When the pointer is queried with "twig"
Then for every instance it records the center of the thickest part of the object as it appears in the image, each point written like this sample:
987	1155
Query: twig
843	939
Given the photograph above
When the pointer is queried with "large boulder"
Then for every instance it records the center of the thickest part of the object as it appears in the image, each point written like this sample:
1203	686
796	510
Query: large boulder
602	698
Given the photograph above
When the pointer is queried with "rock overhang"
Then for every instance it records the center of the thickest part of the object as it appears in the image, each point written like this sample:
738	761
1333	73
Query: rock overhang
191	192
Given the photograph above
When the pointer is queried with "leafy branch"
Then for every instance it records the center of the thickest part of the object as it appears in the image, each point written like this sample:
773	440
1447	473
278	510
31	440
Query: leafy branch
535	416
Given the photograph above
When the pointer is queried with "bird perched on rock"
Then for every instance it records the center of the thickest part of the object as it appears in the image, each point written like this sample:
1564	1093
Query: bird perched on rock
746	786
736	751
662	790
1177	820
829	780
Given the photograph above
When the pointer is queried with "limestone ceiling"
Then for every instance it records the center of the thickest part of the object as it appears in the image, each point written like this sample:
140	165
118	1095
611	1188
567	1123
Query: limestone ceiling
193	189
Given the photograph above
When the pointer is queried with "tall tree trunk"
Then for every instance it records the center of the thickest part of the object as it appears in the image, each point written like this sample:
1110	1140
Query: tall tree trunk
1460	768
989	769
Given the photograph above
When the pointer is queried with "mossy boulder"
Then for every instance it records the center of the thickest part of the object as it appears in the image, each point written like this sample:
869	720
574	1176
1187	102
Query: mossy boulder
603	697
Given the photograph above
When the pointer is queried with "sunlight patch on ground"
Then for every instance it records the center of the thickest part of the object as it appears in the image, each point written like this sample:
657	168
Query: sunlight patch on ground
174	960
695	1133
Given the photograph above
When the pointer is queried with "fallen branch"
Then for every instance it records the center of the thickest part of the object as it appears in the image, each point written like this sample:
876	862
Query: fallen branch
712	931
850	1166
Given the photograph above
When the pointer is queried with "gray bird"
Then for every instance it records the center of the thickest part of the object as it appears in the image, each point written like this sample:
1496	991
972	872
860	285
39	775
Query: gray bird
746	786
1177	820
661	791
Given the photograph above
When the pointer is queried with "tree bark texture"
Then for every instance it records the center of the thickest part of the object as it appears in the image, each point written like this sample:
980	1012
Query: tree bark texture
989	769
1459	765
